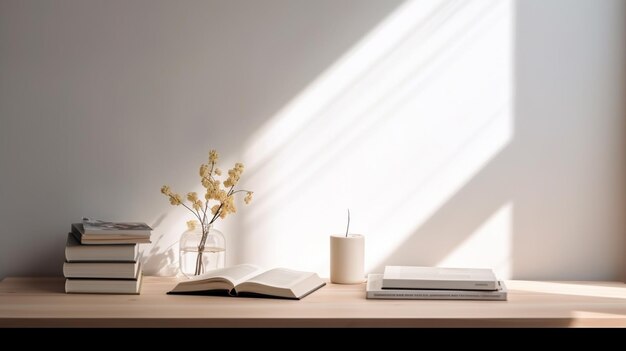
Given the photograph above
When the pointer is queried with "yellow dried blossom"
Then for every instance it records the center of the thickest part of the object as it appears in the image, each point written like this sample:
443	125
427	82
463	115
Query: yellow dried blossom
248	198
216	194
212	189
228	206
166	190
213	156
209	194
204	170
216	191
225	211
206	182
233	175
192	225
176	199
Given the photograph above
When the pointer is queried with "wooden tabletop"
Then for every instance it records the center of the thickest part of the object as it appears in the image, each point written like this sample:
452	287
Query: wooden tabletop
41	302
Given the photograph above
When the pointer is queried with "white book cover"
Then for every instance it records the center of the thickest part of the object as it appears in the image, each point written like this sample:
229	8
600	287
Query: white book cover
414	277
76	252
375	291
108	238
95	227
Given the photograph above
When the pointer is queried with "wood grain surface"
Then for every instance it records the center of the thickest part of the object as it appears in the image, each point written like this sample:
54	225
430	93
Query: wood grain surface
37	302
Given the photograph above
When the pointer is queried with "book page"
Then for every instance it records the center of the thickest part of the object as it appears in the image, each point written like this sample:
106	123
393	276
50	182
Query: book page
280	277
235	274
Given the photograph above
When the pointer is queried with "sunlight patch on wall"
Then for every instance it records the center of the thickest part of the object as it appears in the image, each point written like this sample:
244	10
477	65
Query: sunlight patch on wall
490	246
391	131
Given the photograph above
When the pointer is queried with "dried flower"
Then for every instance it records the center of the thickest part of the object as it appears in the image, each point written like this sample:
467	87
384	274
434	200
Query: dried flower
219	197
204	170
248	198
233	175
191	225
206	182
176	199
166	190
197	205
213	156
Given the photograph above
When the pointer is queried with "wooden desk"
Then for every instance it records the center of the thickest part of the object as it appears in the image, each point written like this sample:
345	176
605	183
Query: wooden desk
41	302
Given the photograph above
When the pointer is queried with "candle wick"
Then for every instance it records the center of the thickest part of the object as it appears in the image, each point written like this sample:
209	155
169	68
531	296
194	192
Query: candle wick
348	226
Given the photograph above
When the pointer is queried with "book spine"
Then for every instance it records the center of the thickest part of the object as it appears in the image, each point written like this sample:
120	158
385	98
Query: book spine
436	285
91	286
424	295
101	270
107	255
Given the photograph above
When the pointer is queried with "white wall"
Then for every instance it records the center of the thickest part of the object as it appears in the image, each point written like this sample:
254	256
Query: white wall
568	176
458	132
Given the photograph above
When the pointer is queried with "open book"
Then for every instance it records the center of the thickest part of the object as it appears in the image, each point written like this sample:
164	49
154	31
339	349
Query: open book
250	280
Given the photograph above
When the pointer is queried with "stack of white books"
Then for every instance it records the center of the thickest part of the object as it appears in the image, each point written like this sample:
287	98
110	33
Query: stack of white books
435	283
103	257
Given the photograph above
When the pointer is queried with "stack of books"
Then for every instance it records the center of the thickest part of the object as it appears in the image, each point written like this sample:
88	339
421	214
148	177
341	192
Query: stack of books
434	283
103	257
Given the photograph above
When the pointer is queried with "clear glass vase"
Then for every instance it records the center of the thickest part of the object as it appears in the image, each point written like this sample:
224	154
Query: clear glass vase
198	256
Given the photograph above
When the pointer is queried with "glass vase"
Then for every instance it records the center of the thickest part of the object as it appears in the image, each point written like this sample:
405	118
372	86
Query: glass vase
201	250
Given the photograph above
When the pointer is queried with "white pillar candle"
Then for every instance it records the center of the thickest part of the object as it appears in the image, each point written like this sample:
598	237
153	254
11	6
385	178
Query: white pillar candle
347	254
